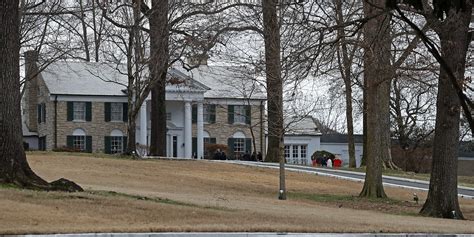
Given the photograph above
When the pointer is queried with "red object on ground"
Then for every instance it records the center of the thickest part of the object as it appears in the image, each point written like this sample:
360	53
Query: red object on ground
337	163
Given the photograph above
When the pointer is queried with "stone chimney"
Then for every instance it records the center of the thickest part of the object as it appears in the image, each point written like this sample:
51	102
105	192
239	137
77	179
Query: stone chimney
198	60
31	90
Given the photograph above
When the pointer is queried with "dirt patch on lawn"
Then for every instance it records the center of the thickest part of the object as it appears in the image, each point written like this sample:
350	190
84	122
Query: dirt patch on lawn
137	195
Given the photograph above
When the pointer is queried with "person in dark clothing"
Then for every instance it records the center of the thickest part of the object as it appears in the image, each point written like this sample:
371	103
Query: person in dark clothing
319	161
259	156
217	155
253	157
223	156
246	156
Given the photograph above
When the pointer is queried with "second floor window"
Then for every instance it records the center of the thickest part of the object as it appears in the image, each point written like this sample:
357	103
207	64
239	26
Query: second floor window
116	111
209	113
79	111
239	114
41	112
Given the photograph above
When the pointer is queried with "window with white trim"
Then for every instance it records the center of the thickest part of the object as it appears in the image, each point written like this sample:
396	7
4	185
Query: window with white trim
303	152
79	111
116	111
287	153
239	146
79	139
296	154
79	143
206	113
239	114
116	145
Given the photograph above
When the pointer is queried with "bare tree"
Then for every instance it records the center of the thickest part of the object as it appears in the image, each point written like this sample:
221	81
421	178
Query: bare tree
377	94
271	29
14	165
345	56
450	20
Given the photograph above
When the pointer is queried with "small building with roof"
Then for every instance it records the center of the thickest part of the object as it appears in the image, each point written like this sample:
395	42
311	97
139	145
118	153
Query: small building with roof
303	137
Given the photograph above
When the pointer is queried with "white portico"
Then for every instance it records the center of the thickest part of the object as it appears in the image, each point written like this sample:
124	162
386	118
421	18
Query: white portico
181	93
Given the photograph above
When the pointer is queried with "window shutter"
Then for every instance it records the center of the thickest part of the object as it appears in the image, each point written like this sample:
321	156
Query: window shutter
230	114
125	112
230	147
88	111
248	145
43	112
194	146
194	114
38	111
212	112
70	111
125	144
107	115
107	148
89	144
70	141
248	114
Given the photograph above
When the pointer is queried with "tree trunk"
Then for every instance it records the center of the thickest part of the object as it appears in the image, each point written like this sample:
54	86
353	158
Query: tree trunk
377	79
346	72
274	81
14	168
131	130
159	58
442	200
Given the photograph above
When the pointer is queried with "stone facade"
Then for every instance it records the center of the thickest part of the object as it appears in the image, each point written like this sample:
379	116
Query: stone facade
30	96
222	130
53	128
97	128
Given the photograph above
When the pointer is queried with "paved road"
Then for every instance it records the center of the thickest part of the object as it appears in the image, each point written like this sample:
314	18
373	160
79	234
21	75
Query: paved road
463	192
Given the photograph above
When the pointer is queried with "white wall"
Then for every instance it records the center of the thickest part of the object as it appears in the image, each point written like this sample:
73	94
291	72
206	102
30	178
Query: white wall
342	150
32	141
176	108
312	143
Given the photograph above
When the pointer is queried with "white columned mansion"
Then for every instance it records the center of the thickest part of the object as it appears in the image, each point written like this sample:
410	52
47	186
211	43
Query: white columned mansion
82	106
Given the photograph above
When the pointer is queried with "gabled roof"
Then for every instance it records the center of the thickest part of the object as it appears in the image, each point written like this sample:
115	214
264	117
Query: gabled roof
228	82
99	79
301	126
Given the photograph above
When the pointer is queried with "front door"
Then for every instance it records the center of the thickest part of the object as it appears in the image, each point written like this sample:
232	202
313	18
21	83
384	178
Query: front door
175	146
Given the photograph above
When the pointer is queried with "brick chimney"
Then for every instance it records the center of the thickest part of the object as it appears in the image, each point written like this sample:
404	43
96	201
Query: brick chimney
31	90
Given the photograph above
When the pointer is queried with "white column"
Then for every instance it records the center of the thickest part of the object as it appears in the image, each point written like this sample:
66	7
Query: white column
188	137
200	131
143	124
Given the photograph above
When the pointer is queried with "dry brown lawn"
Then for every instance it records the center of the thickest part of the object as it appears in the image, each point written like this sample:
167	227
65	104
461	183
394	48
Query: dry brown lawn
163	195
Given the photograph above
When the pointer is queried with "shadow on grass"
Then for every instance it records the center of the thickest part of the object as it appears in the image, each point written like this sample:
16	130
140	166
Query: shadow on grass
157	200
385	205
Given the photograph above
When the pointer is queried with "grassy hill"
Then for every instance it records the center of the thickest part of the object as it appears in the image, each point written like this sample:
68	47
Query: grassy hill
163	195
